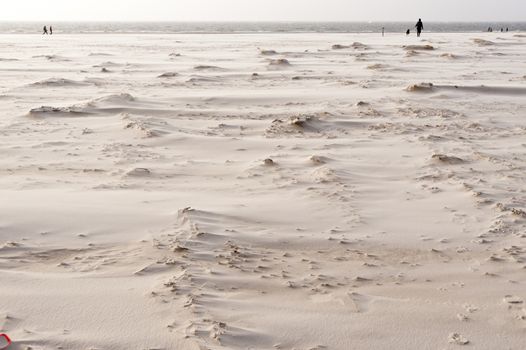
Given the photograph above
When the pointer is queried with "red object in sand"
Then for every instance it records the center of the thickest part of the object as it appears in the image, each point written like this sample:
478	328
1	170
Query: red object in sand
4	341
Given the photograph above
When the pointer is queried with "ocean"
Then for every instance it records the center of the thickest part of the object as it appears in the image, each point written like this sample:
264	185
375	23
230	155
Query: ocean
250	27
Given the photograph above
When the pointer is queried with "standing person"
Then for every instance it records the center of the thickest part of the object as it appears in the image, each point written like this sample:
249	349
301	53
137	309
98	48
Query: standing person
45	31
419	27
408	32
383	31
50	30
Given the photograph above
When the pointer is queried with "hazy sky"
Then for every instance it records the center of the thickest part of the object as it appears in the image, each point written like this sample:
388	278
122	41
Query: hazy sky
263	10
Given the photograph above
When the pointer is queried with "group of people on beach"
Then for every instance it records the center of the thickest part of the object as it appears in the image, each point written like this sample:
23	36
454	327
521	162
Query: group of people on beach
46	32
419	27
490	29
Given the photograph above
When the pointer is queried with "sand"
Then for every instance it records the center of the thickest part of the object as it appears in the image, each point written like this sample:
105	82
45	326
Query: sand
270	191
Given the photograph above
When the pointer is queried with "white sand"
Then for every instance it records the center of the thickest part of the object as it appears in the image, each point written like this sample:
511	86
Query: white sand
137	210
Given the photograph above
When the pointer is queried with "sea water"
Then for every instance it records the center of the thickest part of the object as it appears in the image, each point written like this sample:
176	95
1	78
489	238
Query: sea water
252	27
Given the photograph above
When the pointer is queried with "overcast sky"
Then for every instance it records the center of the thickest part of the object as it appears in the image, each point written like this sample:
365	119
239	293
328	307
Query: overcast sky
263	10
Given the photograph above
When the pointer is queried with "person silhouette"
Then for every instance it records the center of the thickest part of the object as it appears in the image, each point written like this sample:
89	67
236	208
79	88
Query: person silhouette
408	32
419	27
50	30
45	31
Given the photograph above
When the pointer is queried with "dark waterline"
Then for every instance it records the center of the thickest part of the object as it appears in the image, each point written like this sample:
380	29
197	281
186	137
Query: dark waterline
251	27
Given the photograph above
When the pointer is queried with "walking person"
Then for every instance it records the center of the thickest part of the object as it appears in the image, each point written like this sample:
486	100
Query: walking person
419	27
45	31
50	30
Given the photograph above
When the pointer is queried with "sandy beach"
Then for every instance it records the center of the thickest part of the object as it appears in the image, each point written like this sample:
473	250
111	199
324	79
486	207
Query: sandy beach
263	191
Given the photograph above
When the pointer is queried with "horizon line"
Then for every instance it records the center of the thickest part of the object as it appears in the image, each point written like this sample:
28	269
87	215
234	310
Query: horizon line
250	21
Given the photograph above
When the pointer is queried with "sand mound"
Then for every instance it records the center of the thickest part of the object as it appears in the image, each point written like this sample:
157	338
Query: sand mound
141	126
305	123
167	75
99	54
107	64
122	98
445	159
512	299
412	53
202	79
57	82
280	62
324	174
207	67
55	58
458	339
482	42
56	111
426	112
102	104
418	47
422	87
318	160
295	125
269	162
310	126
139	172
9	245
268	52
358	45
449	56
377	66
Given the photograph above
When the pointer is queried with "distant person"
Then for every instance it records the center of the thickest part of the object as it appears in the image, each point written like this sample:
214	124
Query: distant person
408	32
419	27
506	29
50	30
383	31
45	31
502	30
